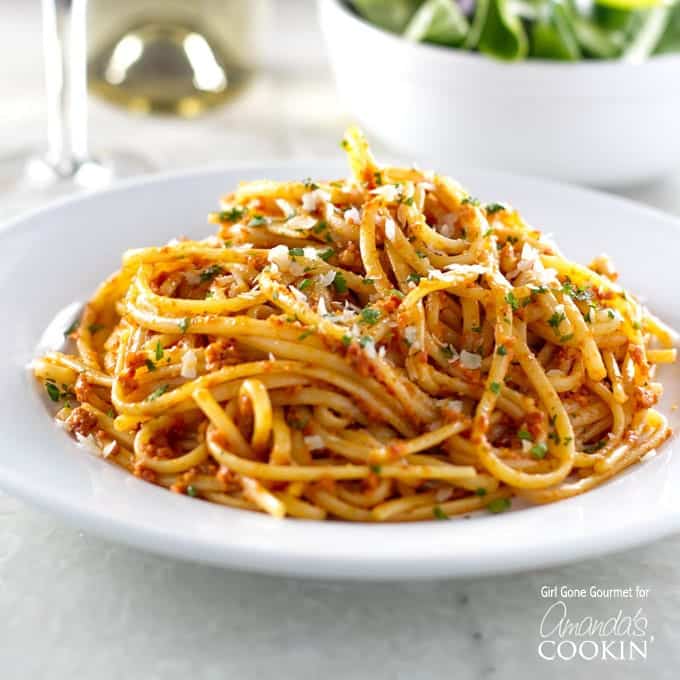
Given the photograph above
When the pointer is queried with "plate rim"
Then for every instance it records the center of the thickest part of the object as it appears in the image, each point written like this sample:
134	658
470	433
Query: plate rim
194	548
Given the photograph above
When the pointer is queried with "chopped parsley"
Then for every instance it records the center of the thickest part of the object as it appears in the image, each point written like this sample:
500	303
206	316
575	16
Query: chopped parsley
158	392
376	469
150	365
439	513
495	387
327	254
481	491
296	252
538	451
365	340
566	338
309	184
368	282
159	351
53	391
471	200
304	284
298	423
191	491
211	272
413	277
377	178
306	334
525	435
610	313
370	315
580	293
555	436
72	327
94	328
55	394
340	283
636	325
512	301
346	340
320	226
591	448
476	329
232	215
501	351
184	324
257	221
396	293
447	352
493	208
556	319
499	505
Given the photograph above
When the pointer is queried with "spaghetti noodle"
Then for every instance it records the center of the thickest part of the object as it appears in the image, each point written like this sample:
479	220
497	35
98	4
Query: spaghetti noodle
383	348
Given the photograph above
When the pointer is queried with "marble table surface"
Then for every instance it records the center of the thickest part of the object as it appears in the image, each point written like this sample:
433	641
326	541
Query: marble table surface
74	606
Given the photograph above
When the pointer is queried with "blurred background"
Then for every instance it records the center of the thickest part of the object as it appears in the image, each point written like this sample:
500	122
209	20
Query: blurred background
533	87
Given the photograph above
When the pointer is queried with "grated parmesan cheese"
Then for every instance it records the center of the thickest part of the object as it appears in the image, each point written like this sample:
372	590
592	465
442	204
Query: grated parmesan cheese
285	207
89	443
312	199
279	256
326	279
389	192
314	442
189	363
321	308
298	294
302	222
411	335
352	215
390	229
109	448
470	360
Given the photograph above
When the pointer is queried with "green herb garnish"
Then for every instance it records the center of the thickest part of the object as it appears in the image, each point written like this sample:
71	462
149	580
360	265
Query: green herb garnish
538	451
340	283
232	215
158	392
499	505
439	513
370	315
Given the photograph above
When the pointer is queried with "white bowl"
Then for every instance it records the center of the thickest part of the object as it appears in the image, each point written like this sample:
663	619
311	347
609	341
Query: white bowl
606	123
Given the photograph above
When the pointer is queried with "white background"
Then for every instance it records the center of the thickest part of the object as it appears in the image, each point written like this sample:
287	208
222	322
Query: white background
72	606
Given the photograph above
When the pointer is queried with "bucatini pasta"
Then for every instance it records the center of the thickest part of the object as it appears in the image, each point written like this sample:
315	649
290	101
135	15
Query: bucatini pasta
382	348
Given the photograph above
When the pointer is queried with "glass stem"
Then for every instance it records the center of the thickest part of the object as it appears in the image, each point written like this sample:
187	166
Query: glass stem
65	52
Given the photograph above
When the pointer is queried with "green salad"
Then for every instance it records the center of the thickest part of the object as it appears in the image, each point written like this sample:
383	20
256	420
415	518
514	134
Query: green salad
564	30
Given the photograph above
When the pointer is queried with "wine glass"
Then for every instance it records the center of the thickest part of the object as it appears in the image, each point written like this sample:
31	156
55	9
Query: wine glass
66	165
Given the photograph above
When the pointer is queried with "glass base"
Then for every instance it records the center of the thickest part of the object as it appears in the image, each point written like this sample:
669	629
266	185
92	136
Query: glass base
28	180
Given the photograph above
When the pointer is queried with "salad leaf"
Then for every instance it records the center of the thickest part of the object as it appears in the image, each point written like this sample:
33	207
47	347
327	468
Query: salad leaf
553	37
670	41
648	36
478	22
392	15
438	21
503	34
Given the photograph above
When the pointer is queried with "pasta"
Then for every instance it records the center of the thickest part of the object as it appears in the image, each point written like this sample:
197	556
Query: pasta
382	348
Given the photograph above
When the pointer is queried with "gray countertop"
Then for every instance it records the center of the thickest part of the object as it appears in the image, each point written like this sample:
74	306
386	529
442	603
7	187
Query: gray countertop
73	606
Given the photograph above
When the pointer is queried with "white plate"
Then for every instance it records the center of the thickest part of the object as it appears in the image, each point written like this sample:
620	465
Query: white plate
56	256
